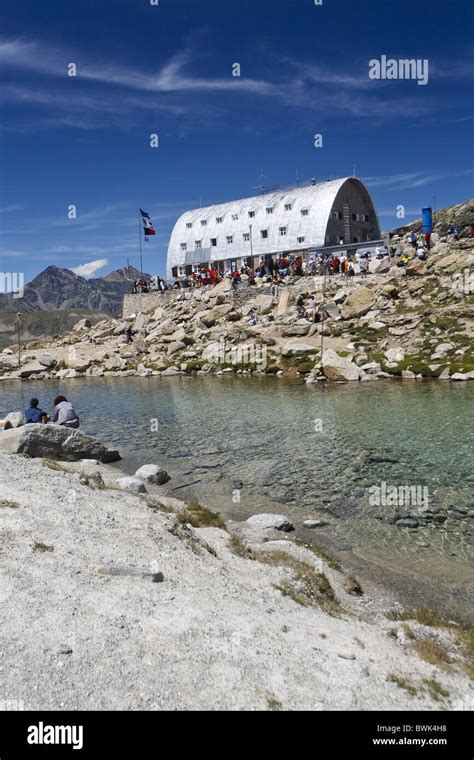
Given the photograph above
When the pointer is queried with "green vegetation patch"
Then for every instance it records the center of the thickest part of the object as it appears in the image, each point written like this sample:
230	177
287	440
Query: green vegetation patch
200	517
403	683
38	546
308	587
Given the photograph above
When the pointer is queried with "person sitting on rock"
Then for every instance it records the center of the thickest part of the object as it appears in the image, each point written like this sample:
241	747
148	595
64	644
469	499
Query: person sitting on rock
34	414
300	306
64	413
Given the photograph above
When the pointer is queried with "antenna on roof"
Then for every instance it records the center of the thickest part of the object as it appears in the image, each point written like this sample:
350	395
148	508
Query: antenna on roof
297	178
354	175
265	188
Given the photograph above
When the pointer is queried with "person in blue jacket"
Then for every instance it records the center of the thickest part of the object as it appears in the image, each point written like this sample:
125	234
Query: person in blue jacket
34	413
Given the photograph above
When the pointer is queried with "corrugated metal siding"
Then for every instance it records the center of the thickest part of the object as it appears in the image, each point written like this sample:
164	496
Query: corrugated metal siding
318	199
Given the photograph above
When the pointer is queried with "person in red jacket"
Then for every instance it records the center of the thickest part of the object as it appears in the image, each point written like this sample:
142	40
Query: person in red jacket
428	239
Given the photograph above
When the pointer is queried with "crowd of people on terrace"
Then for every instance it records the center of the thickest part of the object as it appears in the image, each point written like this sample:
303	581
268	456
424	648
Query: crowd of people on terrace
275	269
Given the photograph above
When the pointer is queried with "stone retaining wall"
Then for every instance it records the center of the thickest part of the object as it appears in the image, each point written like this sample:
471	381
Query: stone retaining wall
143	302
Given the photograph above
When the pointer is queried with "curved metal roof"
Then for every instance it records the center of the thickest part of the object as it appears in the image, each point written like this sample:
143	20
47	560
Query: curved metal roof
286	212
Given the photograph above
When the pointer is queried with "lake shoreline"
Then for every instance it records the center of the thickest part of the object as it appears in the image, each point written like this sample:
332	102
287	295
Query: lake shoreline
243	448
63	538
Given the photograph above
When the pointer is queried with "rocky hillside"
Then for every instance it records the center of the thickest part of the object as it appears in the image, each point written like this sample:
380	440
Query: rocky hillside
60	289
414	322
461	216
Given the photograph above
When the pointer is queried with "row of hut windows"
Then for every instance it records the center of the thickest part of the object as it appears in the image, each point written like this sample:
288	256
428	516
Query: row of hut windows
288	207
251	214
246	238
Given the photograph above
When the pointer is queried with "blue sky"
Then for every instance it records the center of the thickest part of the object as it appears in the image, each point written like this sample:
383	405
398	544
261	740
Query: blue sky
167	69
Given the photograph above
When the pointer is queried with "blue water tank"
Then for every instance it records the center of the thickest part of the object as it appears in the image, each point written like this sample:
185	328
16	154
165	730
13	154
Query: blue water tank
427	219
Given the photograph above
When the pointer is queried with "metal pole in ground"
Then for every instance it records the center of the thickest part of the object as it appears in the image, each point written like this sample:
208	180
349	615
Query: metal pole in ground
322	309
140	241
18	318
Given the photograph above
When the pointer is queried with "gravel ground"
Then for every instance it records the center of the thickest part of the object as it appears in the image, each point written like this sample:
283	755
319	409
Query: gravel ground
215	634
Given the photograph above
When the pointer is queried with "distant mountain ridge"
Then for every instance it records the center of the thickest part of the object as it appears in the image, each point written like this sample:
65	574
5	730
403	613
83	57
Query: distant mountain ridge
61	289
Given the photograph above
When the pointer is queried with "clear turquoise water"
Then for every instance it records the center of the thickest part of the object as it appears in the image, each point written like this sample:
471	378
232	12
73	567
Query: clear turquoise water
307	452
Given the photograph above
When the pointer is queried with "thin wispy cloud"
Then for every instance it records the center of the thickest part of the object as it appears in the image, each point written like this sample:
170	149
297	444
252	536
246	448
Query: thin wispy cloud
87	270
411	179
11	207
298	84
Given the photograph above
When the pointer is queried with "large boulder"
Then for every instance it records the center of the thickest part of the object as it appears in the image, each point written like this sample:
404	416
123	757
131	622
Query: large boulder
131	485
269	521
339	369
264	303
55	442
295	331
6	363
31	368
394	355
358	303
209	318
416	267
175	347
296	349
46	360
332	310
285	302
152	473
83	324
224	286
14	420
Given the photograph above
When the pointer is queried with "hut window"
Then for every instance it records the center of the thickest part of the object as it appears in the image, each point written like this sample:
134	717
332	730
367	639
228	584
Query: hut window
219	220
282	231
304	212
183	246
301	240
246	237
213	242
230	239
264	234
198	244
235	217
288	206
251	214
189	225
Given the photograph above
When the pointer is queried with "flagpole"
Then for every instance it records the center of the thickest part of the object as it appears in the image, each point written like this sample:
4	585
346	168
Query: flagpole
140	240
